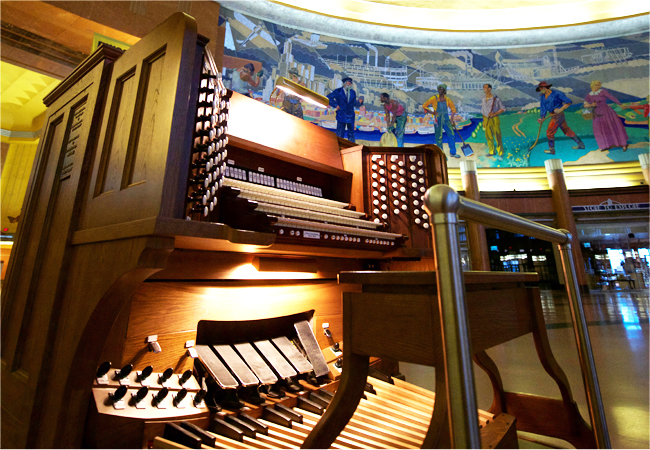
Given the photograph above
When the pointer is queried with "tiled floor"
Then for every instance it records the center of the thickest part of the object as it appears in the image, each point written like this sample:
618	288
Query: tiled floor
618	329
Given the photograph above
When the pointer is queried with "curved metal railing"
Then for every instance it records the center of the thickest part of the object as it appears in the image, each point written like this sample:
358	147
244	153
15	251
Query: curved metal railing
446	207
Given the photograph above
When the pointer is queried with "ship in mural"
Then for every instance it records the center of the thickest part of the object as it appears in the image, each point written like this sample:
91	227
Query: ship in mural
411	76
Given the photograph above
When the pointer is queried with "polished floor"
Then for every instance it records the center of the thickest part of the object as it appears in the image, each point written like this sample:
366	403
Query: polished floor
618	329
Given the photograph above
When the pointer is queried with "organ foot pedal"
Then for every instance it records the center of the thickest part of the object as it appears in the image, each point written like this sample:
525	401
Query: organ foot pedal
395	416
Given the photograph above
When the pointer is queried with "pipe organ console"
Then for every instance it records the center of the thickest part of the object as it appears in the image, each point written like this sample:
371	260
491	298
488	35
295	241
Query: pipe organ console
158	201
176	266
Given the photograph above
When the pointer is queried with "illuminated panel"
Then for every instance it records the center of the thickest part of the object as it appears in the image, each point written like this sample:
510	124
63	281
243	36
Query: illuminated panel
593	176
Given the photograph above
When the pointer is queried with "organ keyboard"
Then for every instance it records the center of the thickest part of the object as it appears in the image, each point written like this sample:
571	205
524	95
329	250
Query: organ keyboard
314	219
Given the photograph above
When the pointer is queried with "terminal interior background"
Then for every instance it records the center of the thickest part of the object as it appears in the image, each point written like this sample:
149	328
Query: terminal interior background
407	48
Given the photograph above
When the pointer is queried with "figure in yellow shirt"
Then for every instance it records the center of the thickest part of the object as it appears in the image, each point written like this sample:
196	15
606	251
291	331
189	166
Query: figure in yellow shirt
439	105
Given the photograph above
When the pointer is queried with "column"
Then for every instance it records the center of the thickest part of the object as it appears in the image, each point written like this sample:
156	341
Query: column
564	213
644	159
478	251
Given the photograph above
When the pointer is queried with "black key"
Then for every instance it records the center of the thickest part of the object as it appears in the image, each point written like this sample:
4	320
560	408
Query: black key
205	437
310	406
275	416
323	401
326	393
295	416
223	428
253	422
176	433
248	430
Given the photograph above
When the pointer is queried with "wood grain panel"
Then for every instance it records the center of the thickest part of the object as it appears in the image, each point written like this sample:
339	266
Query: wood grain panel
221	265
352	159
336	328
21	303
117	133
41	264
389	325
184	304
281	131
145	119
498	316
162	125
173	354
88	311
550	417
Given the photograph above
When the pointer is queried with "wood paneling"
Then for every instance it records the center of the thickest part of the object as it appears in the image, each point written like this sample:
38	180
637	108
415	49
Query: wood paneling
147	101
279	130
117	136
335	322
390	325
33	312
540	202
174	354
184	304
144	129
353	162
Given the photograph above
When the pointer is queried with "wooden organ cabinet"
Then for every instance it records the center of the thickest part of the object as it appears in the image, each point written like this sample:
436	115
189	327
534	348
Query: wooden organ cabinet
161	203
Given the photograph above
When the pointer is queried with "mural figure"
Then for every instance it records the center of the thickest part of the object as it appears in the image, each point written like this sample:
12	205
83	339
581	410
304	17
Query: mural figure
243	78
344	99
291	103
395	117
555	102
491	107
442	117
608	129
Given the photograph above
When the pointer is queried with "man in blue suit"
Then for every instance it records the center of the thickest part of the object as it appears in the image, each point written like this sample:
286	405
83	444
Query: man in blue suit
344	99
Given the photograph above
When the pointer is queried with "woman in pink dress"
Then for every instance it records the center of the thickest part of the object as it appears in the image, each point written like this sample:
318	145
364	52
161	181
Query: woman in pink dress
608	129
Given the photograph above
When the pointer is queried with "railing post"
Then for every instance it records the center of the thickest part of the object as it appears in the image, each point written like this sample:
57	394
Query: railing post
457	354
445	207
590	378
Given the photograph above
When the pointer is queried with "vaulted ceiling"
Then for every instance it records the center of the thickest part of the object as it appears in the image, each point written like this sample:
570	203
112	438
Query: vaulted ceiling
473	15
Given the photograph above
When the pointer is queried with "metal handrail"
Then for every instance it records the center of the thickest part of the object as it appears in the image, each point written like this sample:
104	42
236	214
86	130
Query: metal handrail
446	207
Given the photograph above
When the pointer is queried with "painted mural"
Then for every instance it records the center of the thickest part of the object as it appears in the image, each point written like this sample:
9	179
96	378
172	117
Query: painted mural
584	103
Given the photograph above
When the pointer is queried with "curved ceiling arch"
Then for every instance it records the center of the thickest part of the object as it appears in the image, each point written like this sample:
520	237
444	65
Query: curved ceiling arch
380	23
